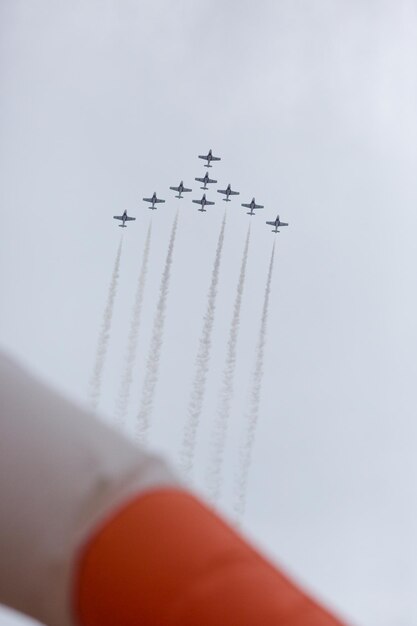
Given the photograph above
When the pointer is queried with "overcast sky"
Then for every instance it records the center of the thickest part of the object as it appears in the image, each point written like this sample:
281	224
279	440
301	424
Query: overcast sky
312	106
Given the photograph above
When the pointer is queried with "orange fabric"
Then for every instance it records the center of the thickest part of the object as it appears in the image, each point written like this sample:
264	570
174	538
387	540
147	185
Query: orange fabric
166	560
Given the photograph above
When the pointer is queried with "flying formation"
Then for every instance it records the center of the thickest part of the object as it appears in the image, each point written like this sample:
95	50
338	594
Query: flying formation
204	201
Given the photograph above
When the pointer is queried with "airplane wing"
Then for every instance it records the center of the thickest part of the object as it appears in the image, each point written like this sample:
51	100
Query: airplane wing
211	180
198	201
247	206
234	193
147	199
283	224
222	191
118	217
209	202
130	219
270	223
200	180
215	158
203	156
258	206
184	189
158	200
176	188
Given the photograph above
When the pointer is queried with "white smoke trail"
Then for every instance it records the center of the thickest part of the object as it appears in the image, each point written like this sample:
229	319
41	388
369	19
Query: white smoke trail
132	343
245	453
103	339
152	366
226	393
202	364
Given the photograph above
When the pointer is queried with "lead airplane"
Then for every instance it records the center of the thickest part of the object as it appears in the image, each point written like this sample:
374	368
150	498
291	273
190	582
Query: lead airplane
124	218
206	180
154	200
228	192
181	189
252	205
209	157
277	223
203	202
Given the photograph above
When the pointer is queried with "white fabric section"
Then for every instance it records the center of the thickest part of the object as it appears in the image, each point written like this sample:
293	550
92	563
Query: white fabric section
61	472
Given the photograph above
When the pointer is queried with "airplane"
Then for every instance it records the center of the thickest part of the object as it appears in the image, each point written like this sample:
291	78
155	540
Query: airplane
277	223
154	200
206	180
203	202
181	189
124	218
209	157
252	205
228	192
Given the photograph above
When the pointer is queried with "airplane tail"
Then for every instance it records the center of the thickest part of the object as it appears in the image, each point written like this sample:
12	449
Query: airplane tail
226	199
122	226
178	197
250	213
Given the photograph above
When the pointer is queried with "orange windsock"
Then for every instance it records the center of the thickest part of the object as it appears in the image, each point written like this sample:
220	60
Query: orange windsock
95	531
165	559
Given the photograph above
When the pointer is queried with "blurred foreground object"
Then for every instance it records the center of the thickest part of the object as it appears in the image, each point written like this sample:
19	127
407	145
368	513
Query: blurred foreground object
96	532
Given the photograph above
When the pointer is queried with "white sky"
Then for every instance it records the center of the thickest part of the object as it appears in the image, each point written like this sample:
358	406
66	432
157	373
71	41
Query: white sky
312	106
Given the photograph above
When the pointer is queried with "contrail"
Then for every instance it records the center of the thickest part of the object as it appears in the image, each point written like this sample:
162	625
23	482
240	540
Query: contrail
132	344
152	366
202	364
226	392
245	455
103	339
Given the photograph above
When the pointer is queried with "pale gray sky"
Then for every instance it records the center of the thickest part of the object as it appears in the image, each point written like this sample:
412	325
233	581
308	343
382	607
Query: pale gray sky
311	105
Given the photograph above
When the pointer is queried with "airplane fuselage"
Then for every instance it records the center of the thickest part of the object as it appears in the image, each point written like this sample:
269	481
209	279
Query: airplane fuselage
252	206
209	158
203	204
